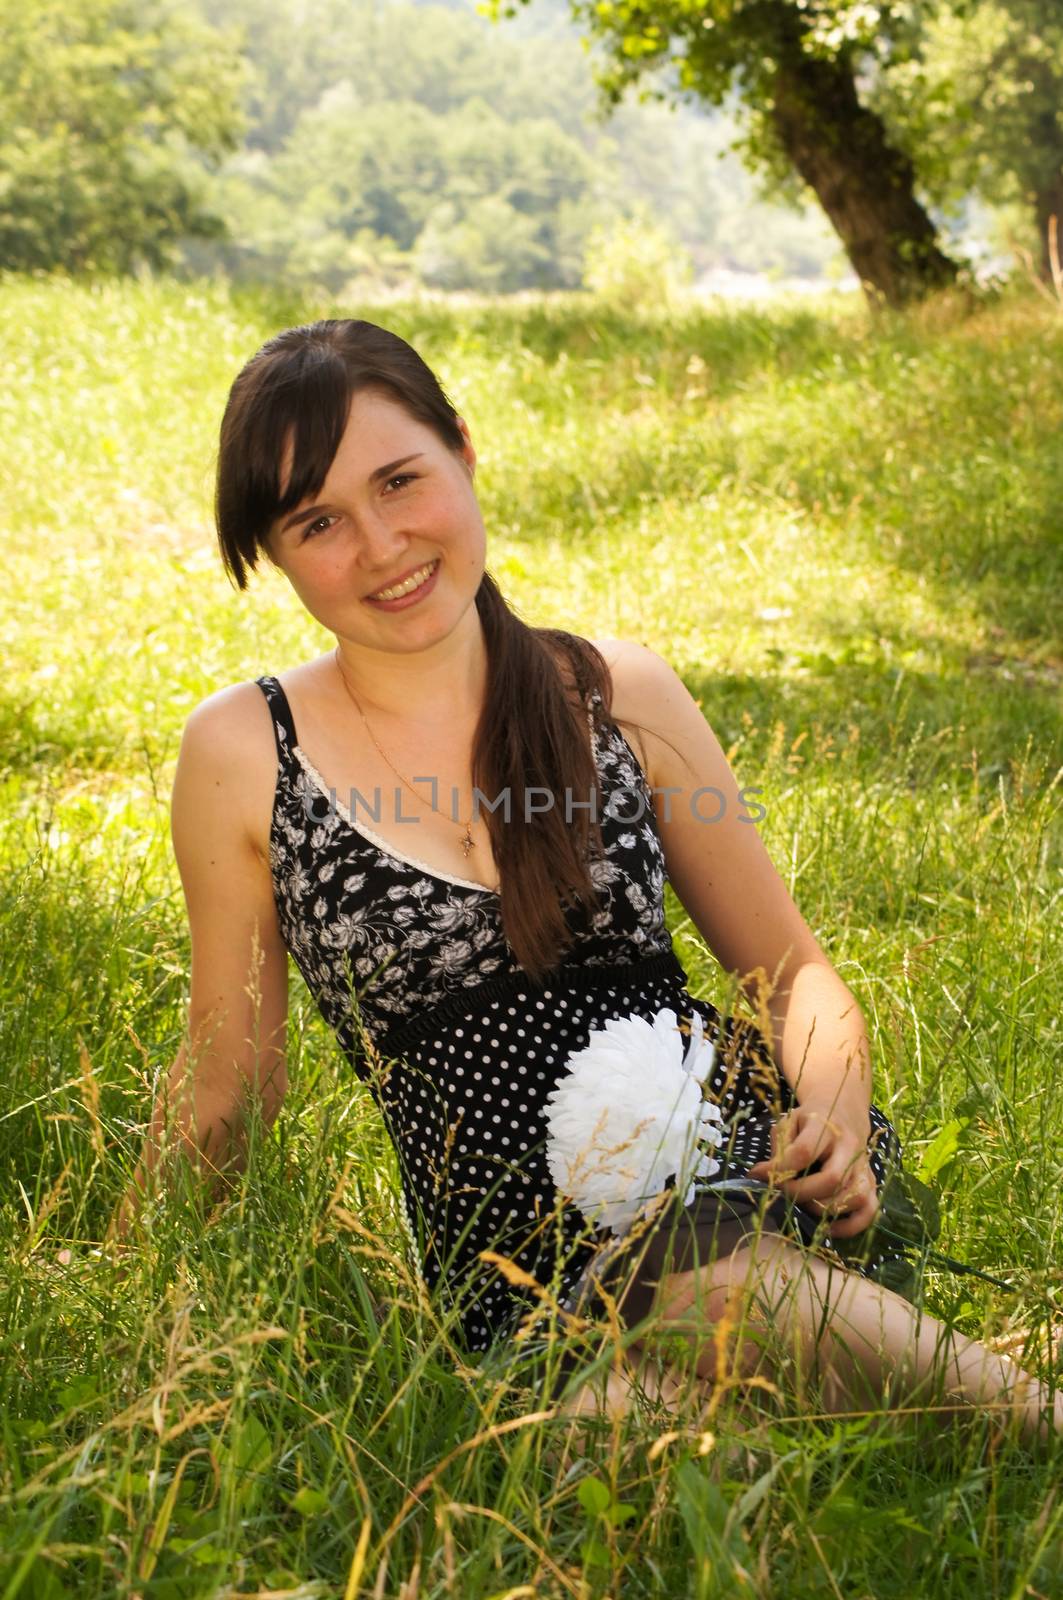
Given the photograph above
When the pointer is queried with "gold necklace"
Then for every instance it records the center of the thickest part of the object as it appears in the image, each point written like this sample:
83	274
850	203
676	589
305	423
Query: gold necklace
468	842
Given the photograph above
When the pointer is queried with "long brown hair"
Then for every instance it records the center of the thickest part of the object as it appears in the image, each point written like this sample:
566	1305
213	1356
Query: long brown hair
532	730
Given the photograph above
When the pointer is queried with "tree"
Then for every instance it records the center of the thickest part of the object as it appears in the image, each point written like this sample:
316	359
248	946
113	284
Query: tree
108	110
795	66
980	104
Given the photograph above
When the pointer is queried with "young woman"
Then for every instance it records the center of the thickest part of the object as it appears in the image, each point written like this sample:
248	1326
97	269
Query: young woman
462	949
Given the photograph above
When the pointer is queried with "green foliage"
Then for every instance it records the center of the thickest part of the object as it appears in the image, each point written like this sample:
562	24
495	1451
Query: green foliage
793	67
908	1222
602	1507
484	203
104	107
718	1544
477	161
979	103
465	165
635	264
715	47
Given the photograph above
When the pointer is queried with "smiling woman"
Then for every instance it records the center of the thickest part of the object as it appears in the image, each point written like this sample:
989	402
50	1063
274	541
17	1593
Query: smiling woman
472	978
375	538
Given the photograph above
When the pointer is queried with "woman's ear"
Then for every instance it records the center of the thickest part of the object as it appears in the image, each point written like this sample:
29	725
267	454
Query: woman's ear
467	451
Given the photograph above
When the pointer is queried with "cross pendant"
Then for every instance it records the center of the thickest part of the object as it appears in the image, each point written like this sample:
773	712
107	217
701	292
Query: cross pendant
468	841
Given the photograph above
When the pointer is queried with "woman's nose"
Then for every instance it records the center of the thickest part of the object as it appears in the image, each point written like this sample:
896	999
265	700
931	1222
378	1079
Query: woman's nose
378	542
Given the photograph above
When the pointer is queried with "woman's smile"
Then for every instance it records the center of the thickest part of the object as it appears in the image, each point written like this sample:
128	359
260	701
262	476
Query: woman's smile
406	591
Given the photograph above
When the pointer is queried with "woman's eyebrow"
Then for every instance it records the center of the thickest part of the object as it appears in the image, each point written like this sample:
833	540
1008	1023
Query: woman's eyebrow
376	476
393	466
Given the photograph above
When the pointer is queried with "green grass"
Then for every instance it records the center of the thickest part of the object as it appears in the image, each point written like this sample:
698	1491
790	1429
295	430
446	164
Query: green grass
230	1418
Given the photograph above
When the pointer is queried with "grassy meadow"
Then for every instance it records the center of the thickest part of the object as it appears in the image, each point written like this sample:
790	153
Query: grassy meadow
845	534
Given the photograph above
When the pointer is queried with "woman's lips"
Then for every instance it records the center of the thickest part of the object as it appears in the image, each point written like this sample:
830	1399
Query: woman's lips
410	599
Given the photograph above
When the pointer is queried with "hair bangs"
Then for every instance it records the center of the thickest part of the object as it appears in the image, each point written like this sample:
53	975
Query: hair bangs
300	433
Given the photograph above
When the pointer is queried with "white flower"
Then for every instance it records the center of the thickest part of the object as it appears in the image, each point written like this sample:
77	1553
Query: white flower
629	1114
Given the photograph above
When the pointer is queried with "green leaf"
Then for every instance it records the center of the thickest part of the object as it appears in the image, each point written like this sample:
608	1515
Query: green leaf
214	1555
310	1502
203	1554
910	1208
594	1552
594	1496
717	1545
942	1148
79	1391
252	1450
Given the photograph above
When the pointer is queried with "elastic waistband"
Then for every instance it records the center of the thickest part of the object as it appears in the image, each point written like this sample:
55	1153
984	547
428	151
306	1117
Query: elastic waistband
625	975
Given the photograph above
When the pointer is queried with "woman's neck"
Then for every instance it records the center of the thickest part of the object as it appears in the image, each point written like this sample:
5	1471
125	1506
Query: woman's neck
444	686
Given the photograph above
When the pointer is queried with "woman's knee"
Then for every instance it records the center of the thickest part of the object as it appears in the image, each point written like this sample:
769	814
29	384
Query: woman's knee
754	1274
727	1311
641	1371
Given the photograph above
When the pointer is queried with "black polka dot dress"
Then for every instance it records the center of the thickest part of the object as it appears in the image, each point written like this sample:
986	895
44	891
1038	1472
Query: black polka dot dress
410	968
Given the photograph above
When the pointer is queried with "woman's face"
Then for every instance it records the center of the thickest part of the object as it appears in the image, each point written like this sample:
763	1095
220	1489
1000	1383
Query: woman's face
396	501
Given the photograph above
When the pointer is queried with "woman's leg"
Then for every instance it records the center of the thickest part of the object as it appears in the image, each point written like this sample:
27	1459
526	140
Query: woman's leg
862	1344
614	1393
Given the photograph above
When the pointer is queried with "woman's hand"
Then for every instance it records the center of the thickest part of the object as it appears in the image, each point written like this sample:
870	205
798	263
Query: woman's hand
844	1188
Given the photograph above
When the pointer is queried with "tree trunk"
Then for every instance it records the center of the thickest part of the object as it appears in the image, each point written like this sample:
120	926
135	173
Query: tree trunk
1049	203
866	187
1046	170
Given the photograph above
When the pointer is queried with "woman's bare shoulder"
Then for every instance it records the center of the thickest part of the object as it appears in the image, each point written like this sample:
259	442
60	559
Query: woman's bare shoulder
637	672
236	715
639	676
229	736
655	708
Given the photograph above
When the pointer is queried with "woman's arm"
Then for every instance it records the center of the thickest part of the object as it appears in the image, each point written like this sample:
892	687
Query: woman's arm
238	1002
722	873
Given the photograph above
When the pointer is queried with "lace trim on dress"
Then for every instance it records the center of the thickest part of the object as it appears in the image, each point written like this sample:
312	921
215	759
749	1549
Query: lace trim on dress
375	838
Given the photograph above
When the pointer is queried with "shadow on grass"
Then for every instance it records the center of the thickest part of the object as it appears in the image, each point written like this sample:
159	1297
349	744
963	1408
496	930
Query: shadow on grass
975	709
582	333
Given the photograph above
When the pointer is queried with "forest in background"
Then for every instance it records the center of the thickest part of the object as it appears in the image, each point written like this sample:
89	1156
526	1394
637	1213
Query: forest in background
354	146
393	140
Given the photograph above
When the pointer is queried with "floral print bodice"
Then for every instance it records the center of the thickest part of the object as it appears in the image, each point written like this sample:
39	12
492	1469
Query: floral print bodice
362	917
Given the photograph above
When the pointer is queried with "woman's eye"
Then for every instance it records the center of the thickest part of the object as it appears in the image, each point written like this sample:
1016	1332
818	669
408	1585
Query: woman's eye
321	525
402	478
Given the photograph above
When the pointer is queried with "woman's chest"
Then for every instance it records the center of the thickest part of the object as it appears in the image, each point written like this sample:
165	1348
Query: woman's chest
355	910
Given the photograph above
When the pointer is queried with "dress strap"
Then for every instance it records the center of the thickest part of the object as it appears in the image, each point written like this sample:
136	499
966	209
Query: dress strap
283	722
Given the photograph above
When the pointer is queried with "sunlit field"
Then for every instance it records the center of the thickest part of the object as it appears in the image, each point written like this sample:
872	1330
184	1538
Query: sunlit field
845	534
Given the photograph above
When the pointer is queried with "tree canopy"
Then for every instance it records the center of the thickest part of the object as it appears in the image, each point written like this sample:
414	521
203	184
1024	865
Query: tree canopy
105	106
794	66
331	142
978	100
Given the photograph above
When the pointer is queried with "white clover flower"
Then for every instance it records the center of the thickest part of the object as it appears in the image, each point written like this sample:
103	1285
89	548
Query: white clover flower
629	1114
